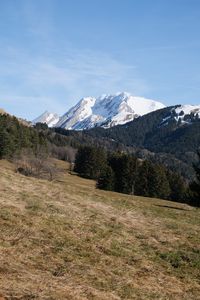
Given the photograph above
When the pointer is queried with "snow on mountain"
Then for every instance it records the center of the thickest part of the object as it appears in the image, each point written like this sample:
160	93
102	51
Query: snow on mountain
51	119
185	110
77	116
107	111
184	114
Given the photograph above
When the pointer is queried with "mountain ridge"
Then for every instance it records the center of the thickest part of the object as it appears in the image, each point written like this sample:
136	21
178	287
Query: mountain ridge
105	111
114	109
48	118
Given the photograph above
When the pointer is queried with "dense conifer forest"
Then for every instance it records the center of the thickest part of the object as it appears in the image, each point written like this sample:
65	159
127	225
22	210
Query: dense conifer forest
172	143
114	166
14	136
125	173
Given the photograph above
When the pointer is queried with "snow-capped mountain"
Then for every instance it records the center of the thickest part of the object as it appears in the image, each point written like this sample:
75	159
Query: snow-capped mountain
51	119
106	111
183	114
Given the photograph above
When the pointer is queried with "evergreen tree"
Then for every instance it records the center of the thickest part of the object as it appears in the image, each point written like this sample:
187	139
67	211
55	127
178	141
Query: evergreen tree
157	182
195	185
14	136
142	184
41	126
152	181
106	179
7	146
90	162
124	168
178	187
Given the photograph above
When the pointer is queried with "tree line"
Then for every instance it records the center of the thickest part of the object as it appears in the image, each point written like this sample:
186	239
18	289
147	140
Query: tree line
125	173
115	171
14	137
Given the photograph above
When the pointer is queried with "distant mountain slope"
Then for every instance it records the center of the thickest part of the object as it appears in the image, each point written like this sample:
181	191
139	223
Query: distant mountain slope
183	114
48	118
172	131
157	130
170	136
106	111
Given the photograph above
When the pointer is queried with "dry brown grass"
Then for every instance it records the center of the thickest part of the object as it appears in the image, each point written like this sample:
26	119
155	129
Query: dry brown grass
67	240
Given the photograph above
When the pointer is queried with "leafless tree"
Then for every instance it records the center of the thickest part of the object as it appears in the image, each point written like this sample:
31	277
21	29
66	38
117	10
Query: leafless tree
66	153
40	166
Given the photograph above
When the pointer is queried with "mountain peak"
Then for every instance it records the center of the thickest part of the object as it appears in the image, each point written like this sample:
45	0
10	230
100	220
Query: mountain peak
107	110
47	118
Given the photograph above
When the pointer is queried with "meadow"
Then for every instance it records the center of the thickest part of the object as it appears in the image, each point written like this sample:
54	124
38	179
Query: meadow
66	239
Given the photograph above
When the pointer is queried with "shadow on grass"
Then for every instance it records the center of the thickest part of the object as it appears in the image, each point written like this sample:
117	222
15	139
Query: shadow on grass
172	207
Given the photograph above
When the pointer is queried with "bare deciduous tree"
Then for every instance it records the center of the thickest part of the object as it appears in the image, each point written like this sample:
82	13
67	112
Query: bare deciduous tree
66	153
39	165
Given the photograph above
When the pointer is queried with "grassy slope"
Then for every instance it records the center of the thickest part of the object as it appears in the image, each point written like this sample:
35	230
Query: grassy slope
67	240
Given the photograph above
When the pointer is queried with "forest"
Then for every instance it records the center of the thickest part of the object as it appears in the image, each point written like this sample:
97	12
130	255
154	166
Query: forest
115	167
125	173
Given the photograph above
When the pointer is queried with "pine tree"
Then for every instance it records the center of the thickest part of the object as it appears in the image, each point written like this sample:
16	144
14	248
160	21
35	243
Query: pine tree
178	187
90	162
152	181
142	181
124	168
14	136
158	182
106	180
195	185
7	146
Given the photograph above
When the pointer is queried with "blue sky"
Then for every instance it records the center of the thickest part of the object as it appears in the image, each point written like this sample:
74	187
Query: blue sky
53	52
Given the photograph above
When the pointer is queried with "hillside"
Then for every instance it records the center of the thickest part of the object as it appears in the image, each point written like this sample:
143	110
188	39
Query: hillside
2	112
22	121
171	138
158	131
67	240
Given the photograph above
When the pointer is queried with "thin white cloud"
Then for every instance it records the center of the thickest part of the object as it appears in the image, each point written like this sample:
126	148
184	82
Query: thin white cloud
61	80
51	75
